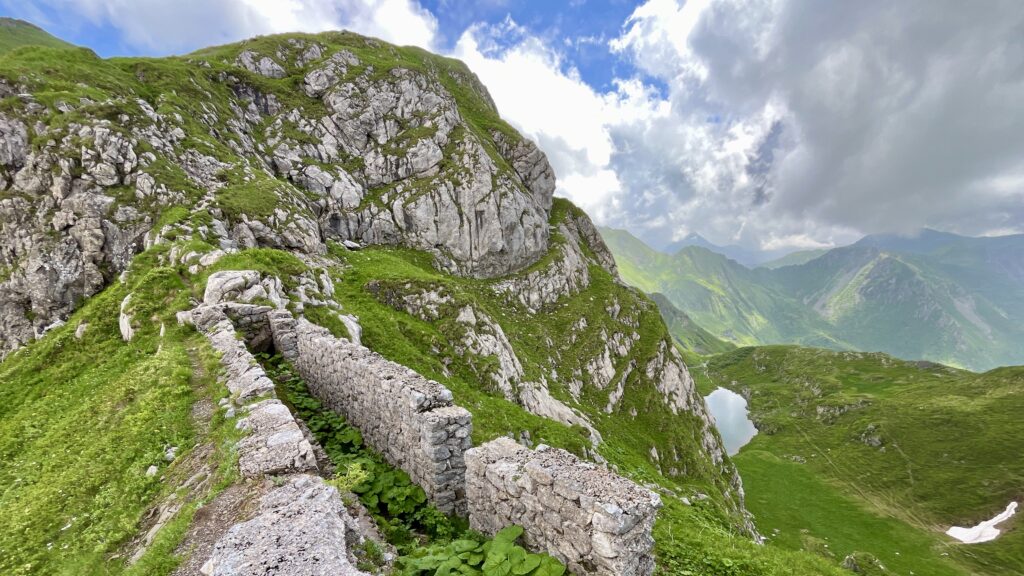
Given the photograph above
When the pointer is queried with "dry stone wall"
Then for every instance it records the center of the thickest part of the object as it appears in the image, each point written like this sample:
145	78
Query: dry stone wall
588	517
593	520
409	419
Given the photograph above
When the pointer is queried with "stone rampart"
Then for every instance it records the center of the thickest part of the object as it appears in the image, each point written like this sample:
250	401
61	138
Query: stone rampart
409	419
590	518
586	516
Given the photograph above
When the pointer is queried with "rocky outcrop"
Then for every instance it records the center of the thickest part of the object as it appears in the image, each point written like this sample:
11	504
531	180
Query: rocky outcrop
594	521
300	529
275	444
362	155
577	245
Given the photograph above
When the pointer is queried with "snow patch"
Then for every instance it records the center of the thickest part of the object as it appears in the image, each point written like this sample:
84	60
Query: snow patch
985	531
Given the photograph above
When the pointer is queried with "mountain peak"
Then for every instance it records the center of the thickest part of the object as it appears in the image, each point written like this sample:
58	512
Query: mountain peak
15	33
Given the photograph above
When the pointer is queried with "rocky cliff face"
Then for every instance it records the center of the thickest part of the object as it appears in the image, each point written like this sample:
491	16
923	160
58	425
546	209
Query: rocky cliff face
285	144
304	144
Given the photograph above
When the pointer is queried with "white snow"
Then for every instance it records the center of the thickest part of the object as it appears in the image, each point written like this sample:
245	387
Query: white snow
986	530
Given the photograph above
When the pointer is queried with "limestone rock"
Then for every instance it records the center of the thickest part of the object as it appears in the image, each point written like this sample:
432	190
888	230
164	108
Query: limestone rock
124	320
300	529
275	444
262	65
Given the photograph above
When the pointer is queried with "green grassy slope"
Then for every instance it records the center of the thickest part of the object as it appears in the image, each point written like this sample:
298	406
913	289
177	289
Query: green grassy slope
888	454
83	421
794	259
86	418
958	302
729	300
686	333
16	33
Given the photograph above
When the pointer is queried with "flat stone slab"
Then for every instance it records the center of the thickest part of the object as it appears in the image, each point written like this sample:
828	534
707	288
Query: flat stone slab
300	529
275	444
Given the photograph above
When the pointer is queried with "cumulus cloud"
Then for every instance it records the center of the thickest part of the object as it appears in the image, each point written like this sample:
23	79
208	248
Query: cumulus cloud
792	121
767	123
548	101
158	26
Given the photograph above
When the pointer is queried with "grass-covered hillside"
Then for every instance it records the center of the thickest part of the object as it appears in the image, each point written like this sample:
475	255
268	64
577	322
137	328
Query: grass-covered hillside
688	335
939	297
15	33
141	177
867	453
88	416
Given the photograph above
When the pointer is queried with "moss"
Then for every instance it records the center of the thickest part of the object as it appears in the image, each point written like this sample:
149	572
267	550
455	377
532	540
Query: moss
257	199
327	318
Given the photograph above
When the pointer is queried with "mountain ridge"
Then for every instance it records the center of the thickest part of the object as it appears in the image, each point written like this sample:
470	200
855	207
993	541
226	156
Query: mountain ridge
947	298
369	188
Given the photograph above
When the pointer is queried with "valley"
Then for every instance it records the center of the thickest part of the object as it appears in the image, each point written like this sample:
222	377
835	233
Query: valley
859	452
940	297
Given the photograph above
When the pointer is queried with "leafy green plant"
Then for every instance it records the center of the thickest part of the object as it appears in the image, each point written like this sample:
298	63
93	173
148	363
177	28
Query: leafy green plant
398	505
474	555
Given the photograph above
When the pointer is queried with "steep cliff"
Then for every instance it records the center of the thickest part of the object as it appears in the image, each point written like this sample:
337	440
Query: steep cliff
371	188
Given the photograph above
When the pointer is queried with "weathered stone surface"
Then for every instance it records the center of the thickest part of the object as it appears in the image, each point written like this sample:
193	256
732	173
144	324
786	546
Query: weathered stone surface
593	520
409	419
275	444
124	320
300	529
262	65
479	202
245	378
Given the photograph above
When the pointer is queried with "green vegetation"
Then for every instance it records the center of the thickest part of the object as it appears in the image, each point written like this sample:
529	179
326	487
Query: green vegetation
257	199
16	33
687	542
86	418
794	259
953	300
873	454
686	333
473	555
398	505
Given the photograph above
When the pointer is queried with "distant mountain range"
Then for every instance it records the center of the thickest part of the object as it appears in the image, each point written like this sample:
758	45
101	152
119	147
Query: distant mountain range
935	296
745	256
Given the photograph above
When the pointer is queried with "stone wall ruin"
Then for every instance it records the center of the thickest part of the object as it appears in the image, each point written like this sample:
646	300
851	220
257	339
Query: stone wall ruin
593	520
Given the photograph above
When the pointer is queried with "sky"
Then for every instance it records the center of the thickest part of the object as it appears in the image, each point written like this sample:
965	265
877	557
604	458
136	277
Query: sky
772	124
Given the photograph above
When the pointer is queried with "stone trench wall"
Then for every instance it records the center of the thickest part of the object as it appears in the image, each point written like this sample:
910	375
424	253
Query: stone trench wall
301	526
586	516
593	520
409	419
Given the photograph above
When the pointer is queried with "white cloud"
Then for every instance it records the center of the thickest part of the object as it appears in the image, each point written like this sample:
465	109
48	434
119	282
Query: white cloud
162	27
829	123
548	102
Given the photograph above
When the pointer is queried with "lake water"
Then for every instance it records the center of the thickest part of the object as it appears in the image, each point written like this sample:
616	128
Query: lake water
731	418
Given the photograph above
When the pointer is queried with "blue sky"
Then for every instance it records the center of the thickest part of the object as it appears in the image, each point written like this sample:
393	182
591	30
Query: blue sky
765	123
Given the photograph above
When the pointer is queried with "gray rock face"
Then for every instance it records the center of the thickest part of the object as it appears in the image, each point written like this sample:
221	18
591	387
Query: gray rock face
245	378
262	65
568	273
411	420
384	157
300	529
275	444
591	519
